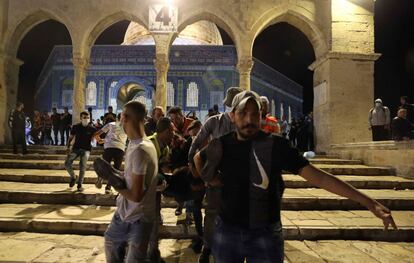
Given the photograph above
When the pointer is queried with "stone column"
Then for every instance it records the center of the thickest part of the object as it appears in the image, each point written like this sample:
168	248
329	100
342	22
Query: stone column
9	81
244	66
161	66
343	95
80	66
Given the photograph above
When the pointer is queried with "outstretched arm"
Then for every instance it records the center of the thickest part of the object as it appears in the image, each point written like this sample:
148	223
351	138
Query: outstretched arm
332	184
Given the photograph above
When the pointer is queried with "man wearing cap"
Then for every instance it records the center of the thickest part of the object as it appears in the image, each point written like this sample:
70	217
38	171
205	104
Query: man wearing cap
379	121
248	163
214	127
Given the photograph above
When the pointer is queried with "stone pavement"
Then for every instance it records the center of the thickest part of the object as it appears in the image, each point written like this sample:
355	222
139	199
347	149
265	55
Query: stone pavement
298	225
318	226
36	247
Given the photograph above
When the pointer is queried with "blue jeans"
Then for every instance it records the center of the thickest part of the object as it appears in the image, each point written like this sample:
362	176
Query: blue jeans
84	156
233	244
133	236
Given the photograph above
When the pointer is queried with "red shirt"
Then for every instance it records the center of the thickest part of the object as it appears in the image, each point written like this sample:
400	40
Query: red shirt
270	124
184	129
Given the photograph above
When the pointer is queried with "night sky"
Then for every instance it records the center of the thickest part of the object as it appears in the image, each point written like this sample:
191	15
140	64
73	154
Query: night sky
280	46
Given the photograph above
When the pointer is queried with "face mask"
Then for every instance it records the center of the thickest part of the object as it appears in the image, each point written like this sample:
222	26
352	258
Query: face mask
85	122
377	104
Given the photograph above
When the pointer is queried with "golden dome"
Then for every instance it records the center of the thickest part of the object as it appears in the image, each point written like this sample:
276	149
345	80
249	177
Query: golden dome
199	33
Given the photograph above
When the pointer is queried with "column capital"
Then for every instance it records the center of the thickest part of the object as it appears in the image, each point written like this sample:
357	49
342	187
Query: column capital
80	63
245	65
344	56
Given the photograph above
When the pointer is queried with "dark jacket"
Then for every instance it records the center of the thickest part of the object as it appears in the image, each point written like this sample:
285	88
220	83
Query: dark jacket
17	120
401	128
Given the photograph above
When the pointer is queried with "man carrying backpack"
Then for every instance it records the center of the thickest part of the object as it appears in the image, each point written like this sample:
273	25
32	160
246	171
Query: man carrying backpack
379	120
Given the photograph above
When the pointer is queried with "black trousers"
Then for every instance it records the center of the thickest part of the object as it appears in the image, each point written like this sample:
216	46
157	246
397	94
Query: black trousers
113	154
19	137
56	135
64	131
379	133
47	137
197	206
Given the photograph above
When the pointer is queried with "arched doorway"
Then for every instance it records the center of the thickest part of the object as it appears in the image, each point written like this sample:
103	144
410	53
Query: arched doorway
122	70
35	50
286	49
203	61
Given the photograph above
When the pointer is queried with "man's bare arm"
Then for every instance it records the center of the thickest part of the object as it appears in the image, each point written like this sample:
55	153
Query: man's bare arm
136	193
332	184
198	162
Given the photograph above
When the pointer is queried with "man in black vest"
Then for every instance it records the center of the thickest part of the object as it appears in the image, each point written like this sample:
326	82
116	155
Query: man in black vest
248	164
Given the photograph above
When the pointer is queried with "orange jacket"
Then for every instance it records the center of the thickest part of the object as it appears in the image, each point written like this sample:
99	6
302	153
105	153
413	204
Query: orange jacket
270	125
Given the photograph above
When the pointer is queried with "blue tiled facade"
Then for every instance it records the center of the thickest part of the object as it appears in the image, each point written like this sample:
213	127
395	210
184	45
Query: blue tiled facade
203	73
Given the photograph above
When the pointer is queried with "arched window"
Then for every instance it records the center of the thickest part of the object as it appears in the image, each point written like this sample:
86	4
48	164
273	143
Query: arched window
192	95
289	115
112	100
216	98
170	94
91	94
67	98
282	111
273	108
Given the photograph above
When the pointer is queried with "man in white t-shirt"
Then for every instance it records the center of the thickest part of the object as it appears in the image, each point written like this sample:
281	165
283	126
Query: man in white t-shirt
135	214
114	145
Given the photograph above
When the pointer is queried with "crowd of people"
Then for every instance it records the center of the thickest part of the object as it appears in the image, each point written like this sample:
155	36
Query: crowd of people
400	128
48	128
233	161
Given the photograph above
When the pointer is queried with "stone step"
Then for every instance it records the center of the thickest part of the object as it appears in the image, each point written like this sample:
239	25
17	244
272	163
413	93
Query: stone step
46	157
291	181
48	148
297	225
293	199
81	248
51	150
331	168
42	147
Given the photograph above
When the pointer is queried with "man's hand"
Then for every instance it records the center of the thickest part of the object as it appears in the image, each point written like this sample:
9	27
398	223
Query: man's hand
383	213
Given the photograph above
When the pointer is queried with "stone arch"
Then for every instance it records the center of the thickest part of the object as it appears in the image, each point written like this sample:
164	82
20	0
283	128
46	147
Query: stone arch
91	35
296	17
10	68
201	14
25	25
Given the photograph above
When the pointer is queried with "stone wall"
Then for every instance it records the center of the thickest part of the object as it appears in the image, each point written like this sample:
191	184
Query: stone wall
399	155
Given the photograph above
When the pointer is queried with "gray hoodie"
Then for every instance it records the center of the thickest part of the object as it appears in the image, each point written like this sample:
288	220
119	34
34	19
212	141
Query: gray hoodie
379	116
